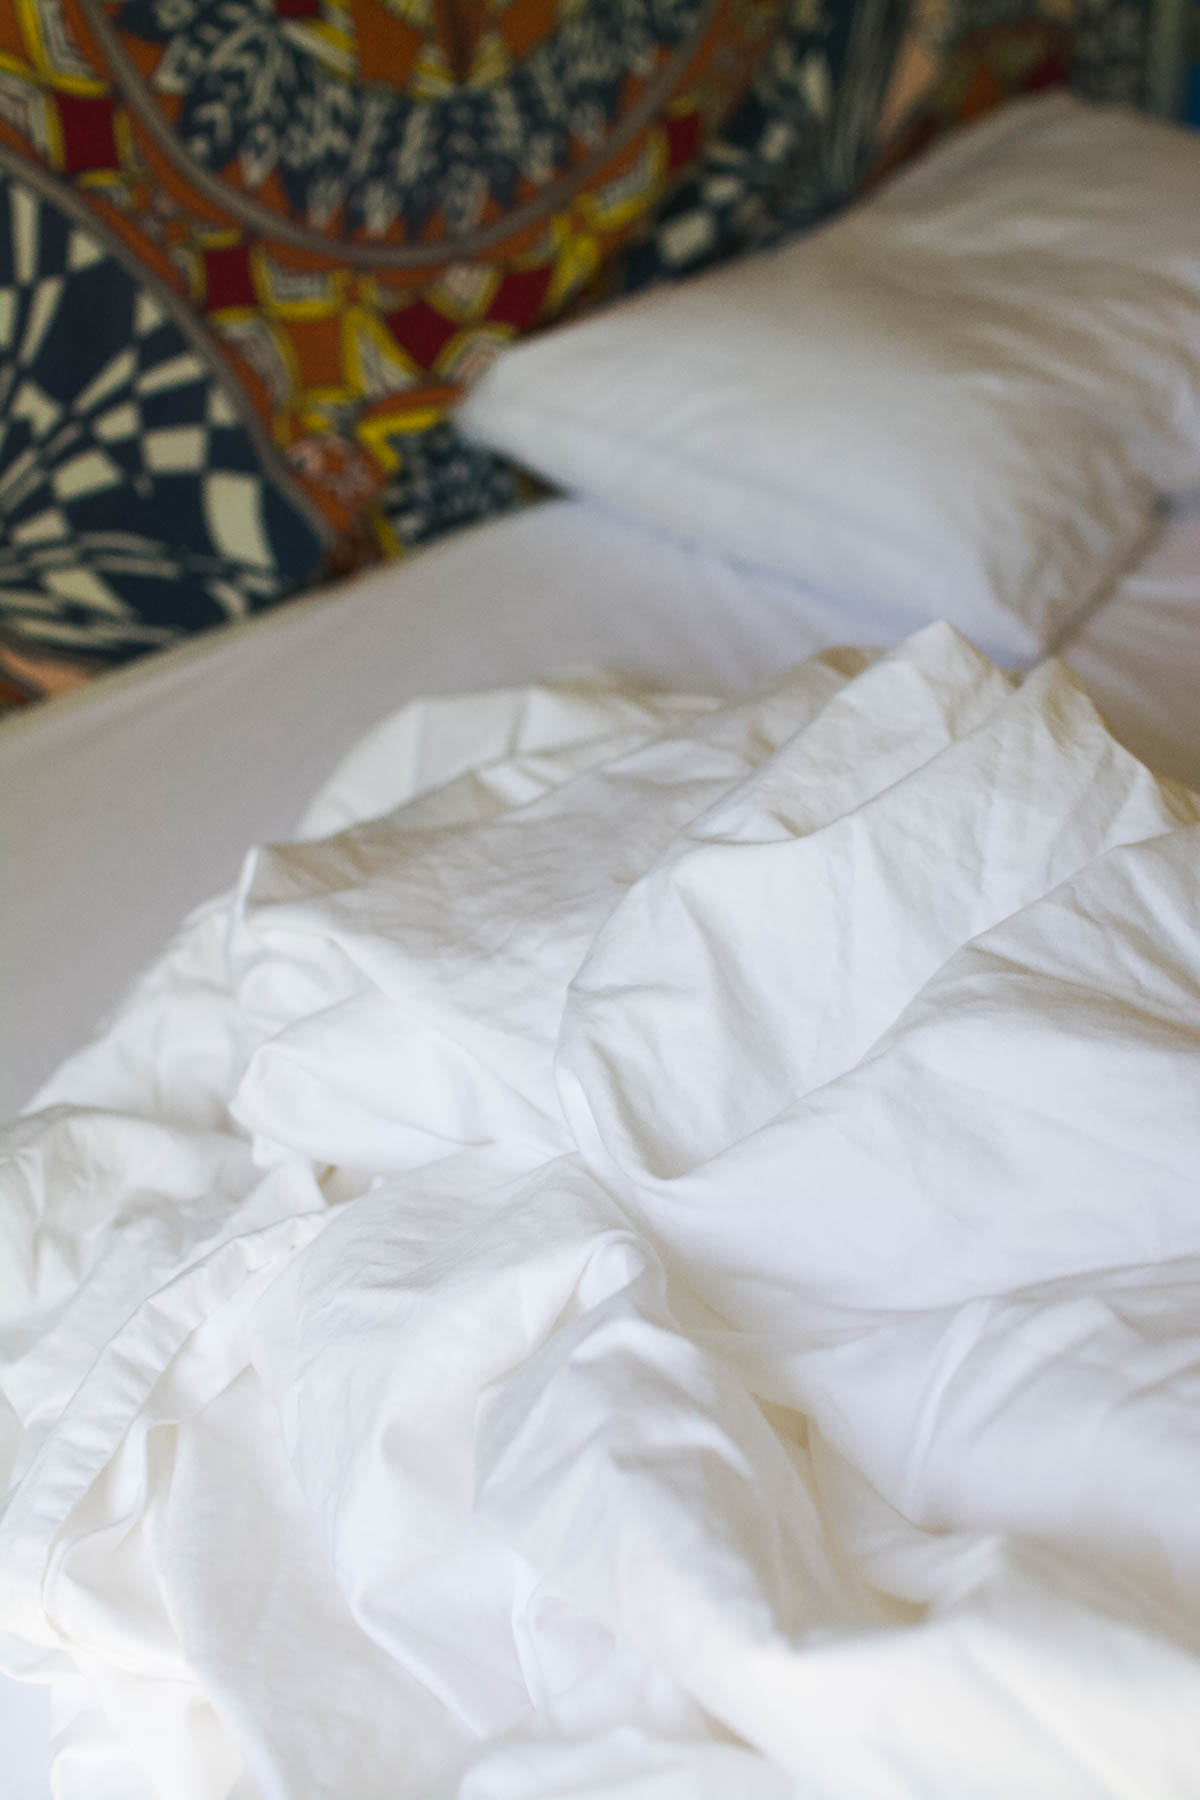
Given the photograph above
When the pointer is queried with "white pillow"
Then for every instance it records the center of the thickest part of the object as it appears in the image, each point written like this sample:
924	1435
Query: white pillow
959	399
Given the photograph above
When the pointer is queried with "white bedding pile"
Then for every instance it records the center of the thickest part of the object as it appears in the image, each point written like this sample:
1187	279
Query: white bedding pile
664	1265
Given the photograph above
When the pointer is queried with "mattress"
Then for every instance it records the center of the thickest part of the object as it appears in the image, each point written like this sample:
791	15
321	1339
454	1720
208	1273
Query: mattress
127	804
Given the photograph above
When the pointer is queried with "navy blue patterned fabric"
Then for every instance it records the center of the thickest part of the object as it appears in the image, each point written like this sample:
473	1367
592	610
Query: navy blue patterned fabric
337	144
446	483
134	497
795	149
798	147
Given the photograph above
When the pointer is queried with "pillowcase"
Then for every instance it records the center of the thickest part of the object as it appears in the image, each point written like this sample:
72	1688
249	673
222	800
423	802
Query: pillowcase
960	398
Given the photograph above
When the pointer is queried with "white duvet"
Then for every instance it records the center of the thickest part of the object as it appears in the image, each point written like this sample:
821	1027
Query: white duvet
654	1256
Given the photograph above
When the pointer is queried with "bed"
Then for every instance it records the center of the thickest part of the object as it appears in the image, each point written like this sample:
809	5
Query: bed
106	858
630	1211
686	620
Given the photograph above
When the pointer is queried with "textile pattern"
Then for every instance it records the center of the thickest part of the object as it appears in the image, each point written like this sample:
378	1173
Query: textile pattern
252	250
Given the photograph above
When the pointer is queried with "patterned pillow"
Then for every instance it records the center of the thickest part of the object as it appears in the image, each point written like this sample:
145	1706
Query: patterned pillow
250	249
848	91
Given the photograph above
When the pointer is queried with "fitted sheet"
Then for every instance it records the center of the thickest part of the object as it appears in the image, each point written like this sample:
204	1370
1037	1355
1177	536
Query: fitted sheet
122	807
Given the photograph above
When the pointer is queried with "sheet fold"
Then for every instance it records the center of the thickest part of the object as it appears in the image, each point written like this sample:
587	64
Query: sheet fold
654	1253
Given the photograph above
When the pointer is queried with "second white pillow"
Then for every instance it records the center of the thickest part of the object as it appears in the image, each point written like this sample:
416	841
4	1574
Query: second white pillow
961	398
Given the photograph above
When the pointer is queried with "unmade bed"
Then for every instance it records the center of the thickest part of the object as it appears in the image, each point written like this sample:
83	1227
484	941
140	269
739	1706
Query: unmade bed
659	1235
644	1240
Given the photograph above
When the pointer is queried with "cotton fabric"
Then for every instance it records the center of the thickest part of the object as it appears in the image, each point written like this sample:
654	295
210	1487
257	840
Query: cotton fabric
653	1252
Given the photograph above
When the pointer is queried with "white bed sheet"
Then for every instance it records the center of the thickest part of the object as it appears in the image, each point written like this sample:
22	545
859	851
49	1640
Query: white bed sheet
123	807
127	804
24	1740
130	802
939	901
1139	653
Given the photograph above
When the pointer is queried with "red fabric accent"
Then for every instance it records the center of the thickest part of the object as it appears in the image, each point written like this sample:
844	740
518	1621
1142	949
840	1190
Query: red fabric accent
298	9
518	299
227	278
422	331
1053	72
683	139
89	141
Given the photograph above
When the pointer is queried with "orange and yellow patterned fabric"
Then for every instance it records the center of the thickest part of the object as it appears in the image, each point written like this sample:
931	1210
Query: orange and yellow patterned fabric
361	198
251	250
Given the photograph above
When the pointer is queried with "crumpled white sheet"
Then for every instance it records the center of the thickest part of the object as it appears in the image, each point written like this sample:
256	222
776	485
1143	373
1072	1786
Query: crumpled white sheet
654	1254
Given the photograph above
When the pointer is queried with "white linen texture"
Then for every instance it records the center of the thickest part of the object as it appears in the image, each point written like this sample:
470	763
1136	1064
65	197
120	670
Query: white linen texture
652	1254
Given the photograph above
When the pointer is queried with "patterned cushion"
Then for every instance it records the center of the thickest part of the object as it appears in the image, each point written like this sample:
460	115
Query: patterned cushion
848	91
250	250
141	496
281	234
